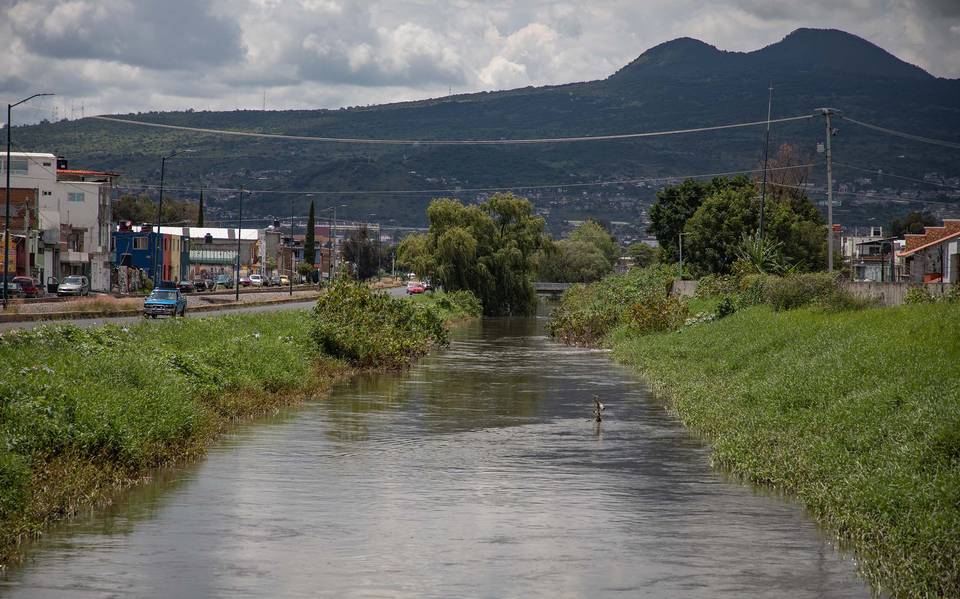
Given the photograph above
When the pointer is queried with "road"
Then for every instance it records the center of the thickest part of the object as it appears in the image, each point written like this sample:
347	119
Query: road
92	322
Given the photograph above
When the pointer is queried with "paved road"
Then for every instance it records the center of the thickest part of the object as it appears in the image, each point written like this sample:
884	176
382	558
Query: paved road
91	322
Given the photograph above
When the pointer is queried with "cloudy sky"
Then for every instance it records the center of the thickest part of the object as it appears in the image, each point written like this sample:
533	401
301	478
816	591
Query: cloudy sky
113	56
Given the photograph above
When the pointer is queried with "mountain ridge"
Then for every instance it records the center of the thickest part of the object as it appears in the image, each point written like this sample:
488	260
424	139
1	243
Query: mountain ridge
678	84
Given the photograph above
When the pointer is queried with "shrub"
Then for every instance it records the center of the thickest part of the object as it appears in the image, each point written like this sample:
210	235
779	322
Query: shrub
587	313
465	302
14	481
656	314
716	285
373	330
753	289
726	307
795	291
840	300
918	295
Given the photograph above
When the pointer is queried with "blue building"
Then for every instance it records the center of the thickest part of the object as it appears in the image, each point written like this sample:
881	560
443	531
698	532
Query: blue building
135	249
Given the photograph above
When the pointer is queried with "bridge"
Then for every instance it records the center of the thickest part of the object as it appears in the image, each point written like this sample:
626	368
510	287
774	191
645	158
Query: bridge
554	290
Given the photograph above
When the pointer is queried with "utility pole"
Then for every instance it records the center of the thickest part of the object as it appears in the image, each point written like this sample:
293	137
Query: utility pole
239	229
681	254
291	247
766	154
333	246
827	113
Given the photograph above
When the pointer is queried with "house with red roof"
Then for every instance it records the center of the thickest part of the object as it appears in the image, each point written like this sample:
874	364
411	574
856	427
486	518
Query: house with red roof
934	255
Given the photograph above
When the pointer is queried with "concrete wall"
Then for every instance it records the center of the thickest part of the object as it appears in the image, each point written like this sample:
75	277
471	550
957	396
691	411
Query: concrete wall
684	288
891	294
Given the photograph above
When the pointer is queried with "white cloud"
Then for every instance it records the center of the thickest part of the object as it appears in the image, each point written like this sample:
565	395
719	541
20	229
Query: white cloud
122	55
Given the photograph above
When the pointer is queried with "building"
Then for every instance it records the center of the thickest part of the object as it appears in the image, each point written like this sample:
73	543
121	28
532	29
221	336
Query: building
213	250
136	249
934	255
876	260
62	221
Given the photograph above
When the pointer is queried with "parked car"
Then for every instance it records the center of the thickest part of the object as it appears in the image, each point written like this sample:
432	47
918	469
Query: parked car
164	302
415	287
29	287
245	281
259	281
74	285
13	287
186	286
284	280
223	280
276	281
201	284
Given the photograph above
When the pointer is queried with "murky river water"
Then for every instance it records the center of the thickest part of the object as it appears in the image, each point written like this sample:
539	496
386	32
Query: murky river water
476	474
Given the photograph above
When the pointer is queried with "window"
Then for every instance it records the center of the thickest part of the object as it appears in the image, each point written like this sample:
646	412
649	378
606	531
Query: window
75	196
140	243
19	165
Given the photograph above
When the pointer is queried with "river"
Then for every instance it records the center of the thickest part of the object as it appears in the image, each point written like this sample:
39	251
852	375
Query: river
475	474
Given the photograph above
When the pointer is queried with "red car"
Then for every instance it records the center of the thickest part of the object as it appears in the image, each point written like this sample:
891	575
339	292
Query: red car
414	287
245	282
29	287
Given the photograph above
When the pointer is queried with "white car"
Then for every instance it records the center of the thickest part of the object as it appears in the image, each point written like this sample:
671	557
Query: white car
257	280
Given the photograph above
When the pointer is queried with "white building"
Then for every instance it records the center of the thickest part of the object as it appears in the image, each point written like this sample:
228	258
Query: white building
69	232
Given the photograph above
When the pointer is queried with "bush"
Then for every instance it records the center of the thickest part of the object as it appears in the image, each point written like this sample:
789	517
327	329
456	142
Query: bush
373	330
918	295
840	300
657	314
726	307
14	482
795	291
712	286
587	313
753	289
464	302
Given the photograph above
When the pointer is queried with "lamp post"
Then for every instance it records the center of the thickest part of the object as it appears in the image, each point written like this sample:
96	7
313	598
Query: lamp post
333	238
239	229
156	247
6	221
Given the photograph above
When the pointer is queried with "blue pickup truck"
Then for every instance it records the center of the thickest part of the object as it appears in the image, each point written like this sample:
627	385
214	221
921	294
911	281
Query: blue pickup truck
165	302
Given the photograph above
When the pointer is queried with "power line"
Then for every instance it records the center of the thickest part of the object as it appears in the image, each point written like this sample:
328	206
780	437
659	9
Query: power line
477	189
871	196
882	173
447	142
920	138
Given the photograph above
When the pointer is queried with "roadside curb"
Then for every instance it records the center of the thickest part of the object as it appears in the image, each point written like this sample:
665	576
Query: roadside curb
60	316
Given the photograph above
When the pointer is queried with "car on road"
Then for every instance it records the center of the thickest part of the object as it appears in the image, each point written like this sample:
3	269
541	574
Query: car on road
165	302
415	287
186	286
29	287
74	285
223	280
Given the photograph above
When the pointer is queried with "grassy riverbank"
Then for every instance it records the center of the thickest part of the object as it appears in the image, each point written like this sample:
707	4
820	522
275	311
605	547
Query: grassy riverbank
856	414
85	412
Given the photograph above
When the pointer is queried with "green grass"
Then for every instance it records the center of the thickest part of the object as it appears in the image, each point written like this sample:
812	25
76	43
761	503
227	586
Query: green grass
856	414
84	412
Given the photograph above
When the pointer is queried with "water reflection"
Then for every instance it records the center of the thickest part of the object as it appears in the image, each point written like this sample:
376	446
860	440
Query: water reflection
479	473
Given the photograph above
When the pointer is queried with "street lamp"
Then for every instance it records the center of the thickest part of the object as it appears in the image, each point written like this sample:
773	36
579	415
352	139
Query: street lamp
6	221
333	237
239	232
163	163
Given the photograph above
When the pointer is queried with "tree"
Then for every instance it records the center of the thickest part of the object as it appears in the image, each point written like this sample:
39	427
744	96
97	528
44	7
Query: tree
200	210
362	251
674	206
643	255
914	222
309	240
569	261
142	209
595	234
714	234
490	250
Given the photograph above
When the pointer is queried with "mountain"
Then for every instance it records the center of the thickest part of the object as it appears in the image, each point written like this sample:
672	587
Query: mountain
683	83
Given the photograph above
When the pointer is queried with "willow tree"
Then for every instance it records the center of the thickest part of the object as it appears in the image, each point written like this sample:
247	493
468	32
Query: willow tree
489	249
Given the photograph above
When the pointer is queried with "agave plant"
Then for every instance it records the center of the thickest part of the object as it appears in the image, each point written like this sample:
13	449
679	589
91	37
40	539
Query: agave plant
761	254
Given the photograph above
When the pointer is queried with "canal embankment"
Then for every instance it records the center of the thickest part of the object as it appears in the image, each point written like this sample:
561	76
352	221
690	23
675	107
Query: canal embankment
87	412
852	410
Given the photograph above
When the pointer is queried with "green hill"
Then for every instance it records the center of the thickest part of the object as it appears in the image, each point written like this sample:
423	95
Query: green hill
678	84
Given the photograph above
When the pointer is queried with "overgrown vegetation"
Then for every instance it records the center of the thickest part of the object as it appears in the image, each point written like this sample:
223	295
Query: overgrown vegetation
84	412
855	414
587	313
373	330
587	254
